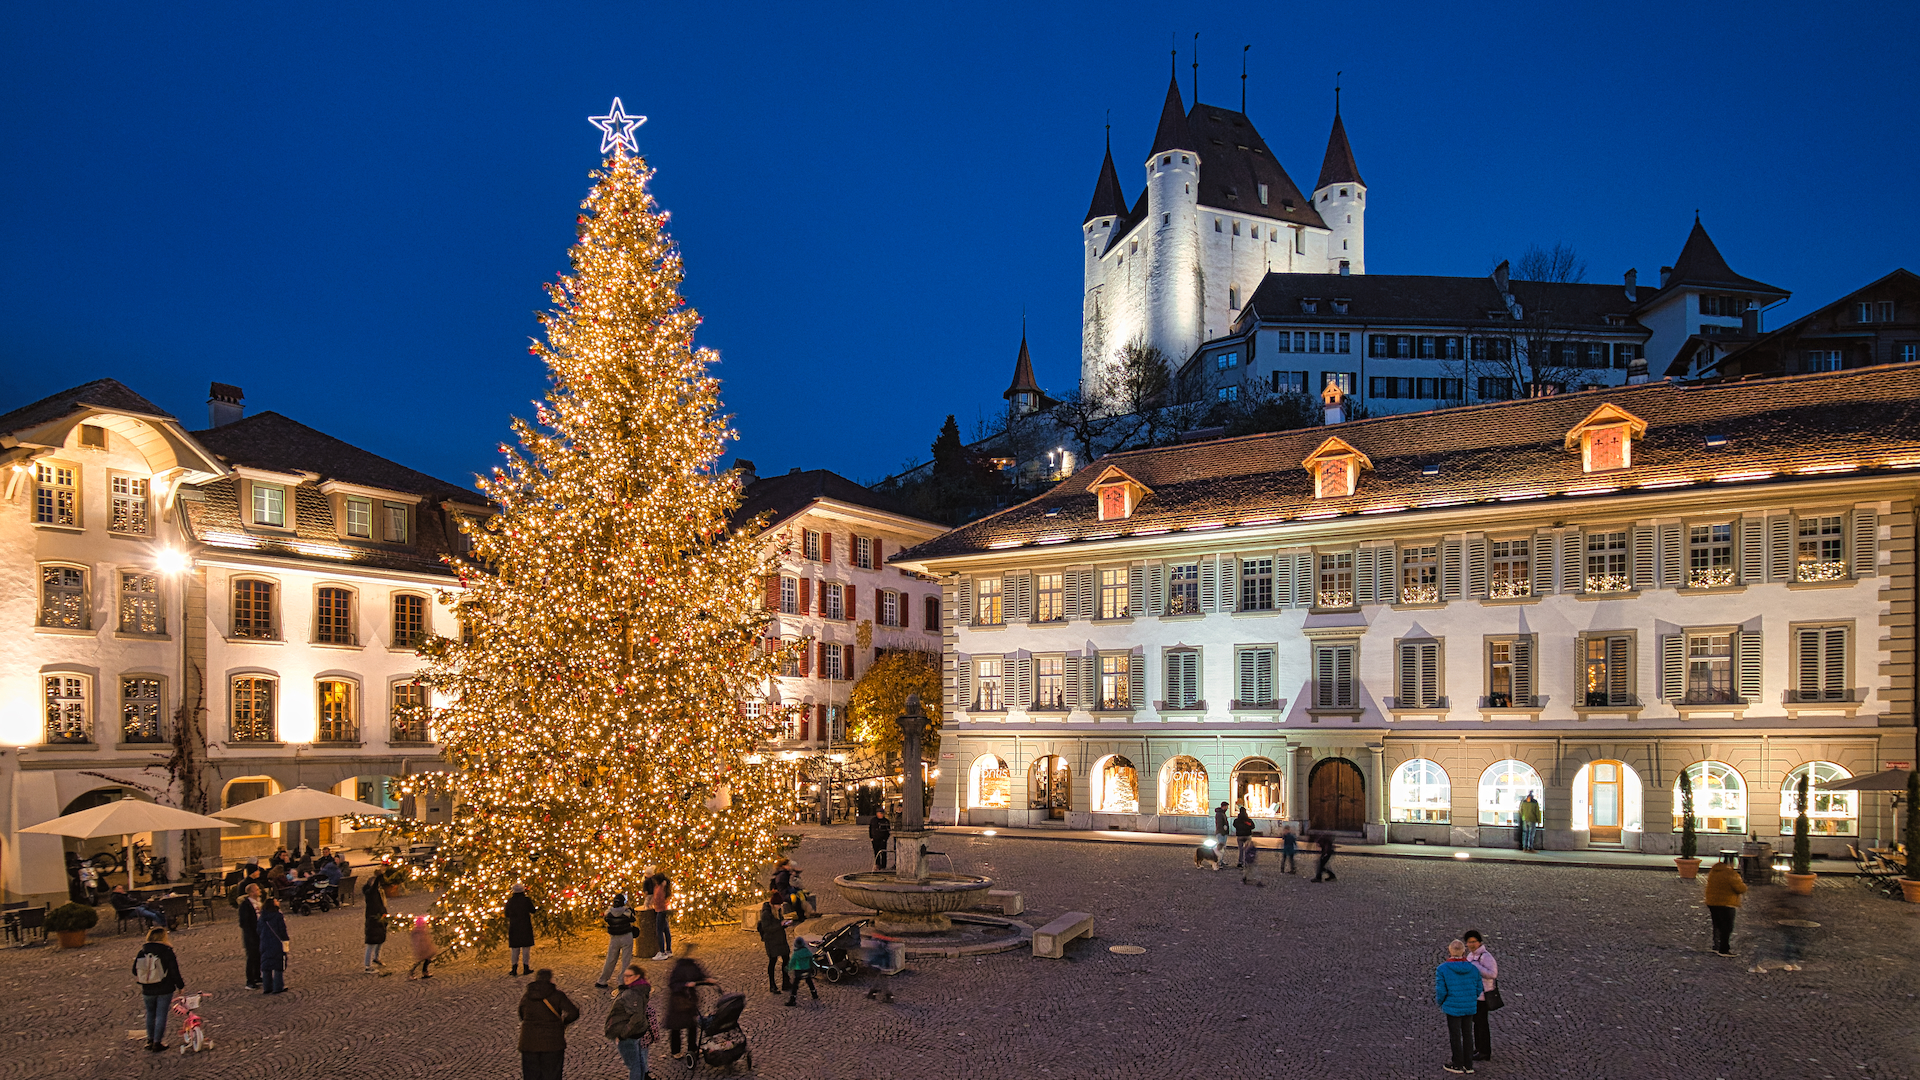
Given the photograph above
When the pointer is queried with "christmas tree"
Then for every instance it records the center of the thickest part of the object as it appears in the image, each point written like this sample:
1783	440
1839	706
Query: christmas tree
595	724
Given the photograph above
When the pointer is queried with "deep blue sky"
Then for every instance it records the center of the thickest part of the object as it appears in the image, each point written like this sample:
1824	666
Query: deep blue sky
350	212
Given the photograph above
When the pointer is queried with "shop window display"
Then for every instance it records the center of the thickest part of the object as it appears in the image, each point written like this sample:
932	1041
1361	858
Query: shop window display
1422	793
992	783
1502	787
1257	785
1719	798
1829	813
1183	787
1116	787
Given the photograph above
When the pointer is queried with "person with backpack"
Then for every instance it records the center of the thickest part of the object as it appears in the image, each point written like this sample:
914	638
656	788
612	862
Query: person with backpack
157	971
619	920
249	905
519	914
545	1012
1243	833
801	965
630	1024
374	901
274	942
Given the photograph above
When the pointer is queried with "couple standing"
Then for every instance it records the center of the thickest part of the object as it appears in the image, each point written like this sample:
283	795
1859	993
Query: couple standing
1466	987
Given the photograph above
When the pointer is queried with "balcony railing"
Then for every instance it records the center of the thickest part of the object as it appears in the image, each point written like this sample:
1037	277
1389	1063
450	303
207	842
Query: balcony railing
1404	704
1336	599
1716	577
1509	701
1510	590
1832	570
1608	583
1420	594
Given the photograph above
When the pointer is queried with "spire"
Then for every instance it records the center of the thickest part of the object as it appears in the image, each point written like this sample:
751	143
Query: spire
1173	133
1023	370
1701	264
1339	166
1108	199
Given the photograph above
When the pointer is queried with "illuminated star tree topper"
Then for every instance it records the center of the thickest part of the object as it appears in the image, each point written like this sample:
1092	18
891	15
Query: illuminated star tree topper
616	129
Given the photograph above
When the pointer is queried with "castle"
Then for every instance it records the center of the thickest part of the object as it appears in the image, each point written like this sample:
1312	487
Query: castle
1173	268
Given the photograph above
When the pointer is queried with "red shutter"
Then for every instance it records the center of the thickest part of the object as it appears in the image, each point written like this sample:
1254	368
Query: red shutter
846	668
820	599
806	715
806	654
826	547
806	596
820	647
773	592
877	557
847	595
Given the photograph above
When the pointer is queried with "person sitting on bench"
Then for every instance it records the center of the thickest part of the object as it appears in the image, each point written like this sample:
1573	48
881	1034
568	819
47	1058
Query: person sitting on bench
127	907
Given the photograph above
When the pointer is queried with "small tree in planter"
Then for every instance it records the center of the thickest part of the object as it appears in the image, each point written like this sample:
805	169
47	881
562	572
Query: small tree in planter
1689	836
70	923
1910	885
1801	879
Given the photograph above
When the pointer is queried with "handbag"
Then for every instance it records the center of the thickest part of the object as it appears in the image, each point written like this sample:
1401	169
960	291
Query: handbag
1494	1001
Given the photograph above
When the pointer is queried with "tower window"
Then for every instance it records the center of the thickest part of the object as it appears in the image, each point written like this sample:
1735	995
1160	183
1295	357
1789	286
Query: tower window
1133	247
1216	224
1168	160
1349	219
1236	228
1256	232
1183	159
1189	189
1343	193
1343	245
1262	190
1165	218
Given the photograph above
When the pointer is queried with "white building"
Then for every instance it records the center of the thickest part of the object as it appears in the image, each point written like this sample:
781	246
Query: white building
1173	267
205	617
1397	628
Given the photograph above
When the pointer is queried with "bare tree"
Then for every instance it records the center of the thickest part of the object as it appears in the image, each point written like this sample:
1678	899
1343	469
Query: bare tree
1557	263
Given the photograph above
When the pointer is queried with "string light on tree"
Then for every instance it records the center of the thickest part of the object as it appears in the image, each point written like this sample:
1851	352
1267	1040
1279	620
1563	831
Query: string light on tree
594	724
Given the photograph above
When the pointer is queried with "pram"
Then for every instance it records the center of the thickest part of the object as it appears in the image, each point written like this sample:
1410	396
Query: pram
838	954
721	1042
316	891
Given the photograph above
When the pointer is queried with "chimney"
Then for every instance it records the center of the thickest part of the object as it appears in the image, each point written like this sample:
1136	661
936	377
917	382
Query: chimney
1633	280
225	404
1636	371
1666	274
746	470
1335	400
1500	278
1750	321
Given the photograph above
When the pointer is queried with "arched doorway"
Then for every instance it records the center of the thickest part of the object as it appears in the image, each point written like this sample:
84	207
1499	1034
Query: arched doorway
1605	802
1050	787
1336	797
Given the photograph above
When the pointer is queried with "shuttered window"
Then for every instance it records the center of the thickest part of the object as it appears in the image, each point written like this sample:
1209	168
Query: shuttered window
1115	687
1607	670
1510	672
1254	673
1336	580
1419	675
1512	570
1333	676
1821	552
1820	663
1710	556
986	593
1183	589
1256	585
1050	683
1183	678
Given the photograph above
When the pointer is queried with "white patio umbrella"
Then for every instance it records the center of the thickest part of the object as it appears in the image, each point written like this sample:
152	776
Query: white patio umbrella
299	804
1890	780
123	818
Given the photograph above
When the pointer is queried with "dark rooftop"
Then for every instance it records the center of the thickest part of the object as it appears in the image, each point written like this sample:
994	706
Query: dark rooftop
1437	300
1701	265
271	441
100	393
784	496
1338	167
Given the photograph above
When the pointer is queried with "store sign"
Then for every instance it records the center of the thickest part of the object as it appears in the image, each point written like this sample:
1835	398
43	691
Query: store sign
1898	764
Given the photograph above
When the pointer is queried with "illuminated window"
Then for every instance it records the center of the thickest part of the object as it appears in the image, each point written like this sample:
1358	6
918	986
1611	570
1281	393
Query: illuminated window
69	711
359	514
1510	672
1709	668
1258	788
1607	678
1719	798
1183	588
338	722
1049	683
1336	580
1116	786
1607	563
139	709
1115	594
1116	690
988	691
251	715
63	598
269	505
1419	575
1502	788
1047	598
986	601
56	499
1183	787
140	603
1710	556
1512	569
128	513
1820	554
407	713
1421	793
394	519
1829	813
992	786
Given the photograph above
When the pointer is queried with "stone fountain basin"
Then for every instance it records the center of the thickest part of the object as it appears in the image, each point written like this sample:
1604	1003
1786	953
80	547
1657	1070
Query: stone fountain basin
915	906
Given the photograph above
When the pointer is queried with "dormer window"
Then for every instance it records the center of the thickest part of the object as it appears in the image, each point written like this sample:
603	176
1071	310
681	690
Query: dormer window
1336	469
1261	190
1310	306
1340	306
1118	494
1605	438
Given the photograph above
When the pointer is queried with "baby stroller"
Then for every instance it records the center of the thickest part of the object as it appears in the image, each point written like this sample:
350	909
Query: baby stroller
838	954
314	892
720	1041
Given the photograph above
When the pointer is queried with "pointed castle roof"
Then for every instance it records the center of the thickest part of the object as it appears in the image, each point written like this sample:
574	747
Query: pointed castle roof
1701	264
1339	166
1173	132
1108	199
1023	381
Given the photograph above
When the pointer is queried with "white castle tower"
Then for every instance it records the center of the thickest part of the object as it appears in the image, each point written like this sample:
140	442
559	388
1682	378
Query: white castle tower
1176	267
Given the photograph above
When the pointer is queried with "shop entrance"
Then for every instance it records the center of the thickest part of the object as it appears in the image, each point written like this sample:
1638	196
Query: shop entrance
1051	786
1336	797
1603	799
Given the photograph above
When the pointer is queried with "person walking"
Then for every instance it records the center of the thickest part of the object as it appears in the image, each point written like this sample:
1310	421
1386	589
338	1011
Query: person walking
1722	896
1220	826
879	830
1289	846
659	899
683	1002
1243	833
519	913
619	920
374	903
800	965
545	1012
274	946
249	905
157	972
1325	866
1529	823
773	938
1249	862
1456	989
424	950
1479	957
630	1023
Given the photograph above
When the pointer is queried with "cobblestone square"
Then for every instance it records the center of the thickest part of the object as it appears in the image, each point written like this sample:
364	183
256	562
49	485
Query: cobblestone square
1607	974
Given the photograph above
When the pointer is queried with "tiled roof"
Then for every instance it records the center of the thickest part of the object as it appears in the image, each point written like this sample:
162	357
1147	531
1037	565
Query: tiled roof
213	517
1022	371
1172	132
1235	161
1702	266
101	393
1338	167
271	441
1509	451
785	496
1108	199
1436	300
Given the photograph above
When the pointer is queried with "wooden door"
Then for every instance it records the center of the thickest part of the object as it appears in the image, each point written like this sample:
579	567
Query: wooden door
1603	801
1336	797
1052	784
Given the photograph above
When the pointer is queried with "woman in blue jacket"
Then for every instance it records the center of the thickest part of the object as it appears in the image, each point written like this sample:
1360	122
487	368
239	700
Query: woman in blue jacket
1456	989
273	946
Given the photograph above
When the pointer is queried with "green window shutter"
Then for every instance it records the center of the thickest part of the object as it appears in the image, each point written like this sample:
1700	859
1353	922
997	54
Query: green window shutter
1673	570
1673	666
1866	543
1137	681
1523	671
1747	666
1643	557
1780	548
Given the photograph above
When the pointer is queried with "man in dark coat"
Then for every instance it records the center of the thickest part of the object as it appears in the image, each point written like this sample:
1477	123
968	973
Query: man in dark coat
249	905
545	1012
1243	832
374	901
1324	868
683	1000
773	938
879	830
519	912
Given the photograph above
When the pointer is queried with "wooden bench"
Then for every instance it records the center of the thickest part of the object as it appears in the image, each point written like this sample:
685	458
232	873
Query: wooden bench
1005	901
1051	939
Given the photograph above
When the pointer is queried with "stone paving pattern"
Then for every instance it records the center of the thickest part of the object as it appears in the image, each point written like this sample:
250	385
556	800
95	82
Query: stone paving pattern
1607	975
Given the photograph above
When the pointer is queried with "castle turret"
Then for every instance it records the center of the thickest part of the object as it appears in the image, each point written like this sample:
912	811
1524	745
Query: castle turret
1024	395
1175	301
1341	197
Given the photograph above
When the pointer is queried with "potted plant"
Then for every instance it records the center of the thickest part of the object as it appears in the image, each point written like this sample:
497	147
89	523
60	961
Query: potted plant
1910	885
1689	837
70	923
1800	879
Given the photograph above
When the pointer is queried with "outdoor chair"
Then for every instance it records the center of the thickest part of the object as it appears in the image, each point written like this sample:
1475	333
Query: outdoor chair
348	888
29	920
178	910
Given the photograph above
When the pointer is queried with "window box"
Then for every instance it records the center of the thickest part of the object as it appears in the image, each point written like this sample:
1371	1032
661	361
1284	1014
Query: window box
1830	583
1277	705
337	744
126	635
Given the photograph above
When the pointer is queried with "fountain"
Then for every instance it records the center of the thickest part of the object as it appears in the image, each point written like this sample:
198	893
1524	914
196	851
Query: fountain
910	898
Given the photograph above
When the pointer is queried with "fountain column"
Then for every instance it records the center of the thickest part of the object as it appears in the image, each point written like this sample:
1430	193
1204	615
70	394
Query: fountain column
909	839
